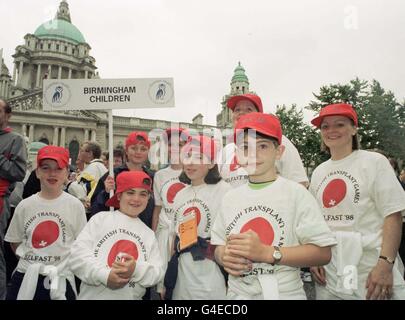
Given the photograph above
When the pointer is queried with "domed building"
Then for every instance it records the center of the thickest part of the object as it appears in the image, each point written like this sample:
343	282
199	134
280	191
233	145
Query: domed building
58	50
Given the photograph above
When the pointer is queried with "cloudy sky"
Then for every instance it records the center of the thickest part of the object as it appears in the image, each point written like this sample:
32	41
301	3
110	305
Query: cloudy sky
288	48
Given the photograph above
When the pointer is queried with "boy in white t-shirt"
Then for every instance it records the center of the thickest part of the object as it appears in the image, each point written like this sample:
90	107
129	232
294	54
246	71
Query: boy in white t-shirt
269	228
116	255
288	166
42	231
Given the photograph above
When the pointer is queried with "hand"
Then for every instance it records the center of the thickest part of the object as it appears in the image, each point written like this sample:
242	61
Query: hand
235	265
114	281
162	294
249	246
319	275
126	268
380	281
109	184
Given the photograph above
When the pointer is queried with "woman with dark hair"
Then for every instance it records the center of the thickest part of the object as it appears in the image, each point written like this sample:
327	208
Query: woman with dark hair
362	203
192	271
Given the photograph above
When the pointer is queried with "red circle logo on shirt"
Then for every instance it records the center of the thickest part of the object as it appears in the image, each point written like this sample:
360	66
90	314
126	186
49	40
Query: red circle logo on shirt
122	246
262	227
334	193
234	164
173	190
44	234
197	213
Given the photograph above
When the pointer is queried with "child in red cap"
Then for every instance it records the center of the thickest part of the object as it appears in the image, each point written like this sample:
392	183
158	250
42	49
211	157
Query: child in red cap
288	166
116	255
192	272
270	227
166	185
363	204
42	231
137	145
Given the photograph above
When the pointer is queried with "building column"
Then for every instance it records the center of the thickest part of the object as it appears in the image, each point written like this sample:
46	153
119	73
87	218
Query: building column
24	129
86	135
15	73
7	90
38	75
20	72
31	133
93	135
70	73
55	136
49	71
2	87
60	72
62	137
86	73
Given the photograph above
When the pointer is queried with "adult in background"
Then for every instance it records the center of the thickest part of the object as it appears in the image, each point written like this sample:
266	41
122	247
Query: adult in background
13	161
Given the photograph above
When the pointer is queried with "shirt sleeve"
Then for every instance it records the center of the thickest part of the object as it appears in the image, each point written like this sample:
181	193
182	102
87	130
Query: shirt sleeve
157	189
290	165
310	226
13	164
387	191
82	261
148	273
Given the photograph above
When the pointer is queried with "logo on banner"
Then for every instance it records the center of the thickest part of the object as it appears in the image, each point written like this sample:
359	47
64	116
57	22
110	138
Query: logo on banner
160	92
44	234
57	95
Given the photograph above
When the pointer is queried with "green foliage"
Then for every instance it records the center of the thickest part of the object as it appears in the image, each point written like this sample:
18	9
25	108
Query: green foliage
302	135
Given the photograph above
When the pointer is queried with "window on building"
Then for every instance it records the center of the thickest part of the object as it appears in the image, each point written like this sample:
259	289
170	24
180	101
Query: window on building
42	46
49	46
57	47
65	48
28	43
73	51
243	89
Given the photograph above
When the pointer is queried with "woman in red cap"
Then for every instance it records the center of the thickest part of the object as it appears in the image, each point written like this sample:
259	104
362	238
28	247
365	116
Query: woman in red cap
192	272
116	255
362	203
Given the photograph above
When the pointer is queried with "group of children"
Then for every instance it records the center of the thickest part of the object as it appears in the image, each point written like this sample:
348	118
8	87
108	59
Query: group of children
245	239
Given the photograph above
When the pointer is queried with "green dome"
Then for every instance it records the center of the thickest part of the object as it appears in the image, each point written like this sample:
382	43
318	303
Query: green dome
239	74
59	29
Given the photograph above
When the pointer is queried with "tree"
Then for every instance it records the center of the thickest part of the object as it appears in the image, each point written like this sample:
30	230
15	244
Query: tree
381	117
302	135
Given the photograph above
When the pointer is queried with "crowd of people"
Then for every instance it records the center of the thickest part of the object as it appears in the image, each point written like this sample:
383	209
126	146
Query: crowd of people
233	222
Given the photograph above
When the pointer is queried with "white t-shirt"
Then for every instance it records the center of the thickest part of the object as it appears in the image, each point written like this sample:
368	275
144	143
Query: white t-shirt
46	230
289	166
199	279
356	194
95	250
284	214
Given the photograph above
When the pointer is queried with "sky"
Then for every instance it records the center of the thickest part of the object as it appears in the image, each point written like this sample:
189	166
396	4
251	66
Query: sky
288	48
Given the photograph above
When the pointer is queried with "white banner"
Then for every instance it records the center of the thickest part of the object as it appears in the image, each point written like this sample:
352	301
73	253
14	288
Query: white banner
107	94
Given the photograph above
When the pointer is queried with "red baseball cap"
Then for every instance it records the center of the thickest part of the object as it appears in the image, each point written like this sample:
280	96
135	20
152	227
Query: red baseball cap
338	109
263	123
137	137
201	144
129	180
59	154
181	133
232	101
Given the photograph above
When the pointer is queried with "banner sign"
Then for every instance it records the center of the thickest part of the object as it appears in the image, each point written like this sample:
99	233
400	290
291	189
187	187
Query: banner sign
107	94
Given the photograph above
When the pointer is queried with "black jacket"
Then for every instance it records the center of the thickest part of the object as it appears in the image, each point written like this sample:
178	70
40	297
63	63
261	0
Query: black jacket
100	196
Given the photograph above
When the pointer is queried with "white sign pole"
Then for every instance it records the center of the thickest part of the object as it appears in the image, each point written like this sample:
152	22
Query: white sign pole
110	150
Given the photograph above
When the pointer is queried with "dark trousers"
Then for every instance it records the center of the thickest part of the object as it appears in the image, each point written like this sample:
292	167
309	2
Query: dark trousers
41	293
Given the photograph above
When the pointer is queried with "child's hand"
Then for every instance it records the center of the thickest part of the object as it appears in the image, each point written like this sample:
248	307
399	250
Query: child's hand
249	246
114	281
319	275
235	265
126	267
109	184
